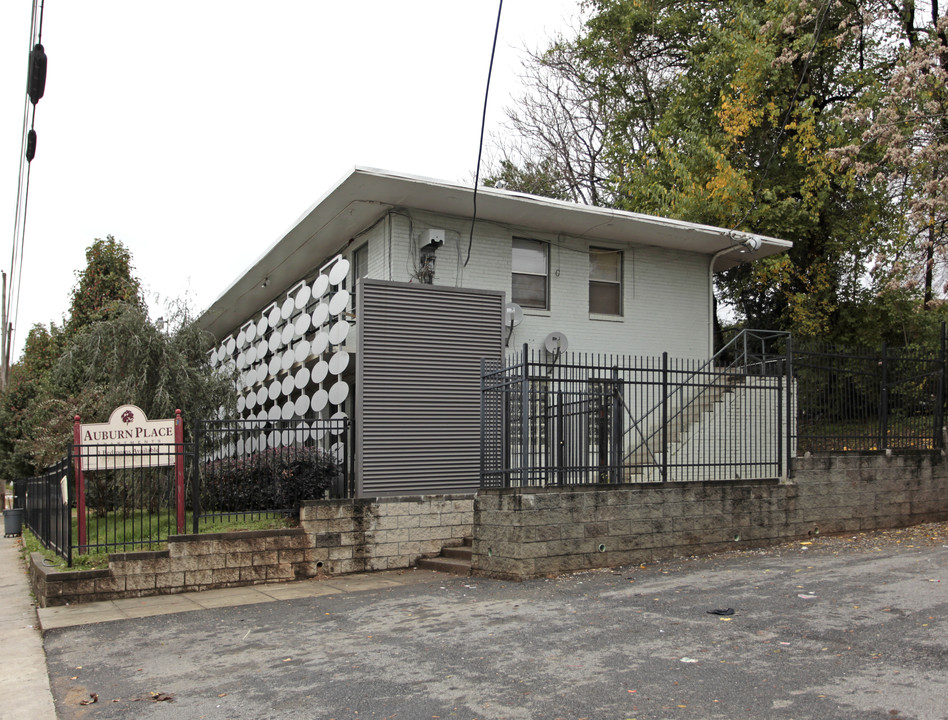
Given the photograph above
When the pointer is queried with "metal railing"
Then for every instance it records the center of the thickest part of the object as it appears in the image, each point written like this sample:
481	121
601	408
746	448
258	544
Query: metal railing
119	498
249	468
581	419
45	500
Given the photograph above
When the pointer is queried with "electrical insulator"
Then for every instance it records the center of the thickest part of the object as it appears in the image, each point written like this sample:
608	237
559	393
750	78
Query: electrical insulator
30	145
37	82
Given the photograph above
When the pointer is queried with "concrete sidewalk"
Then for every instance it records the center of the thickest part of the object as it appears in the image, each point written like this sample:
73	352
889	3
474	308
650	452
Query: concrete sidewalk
109	610
24	682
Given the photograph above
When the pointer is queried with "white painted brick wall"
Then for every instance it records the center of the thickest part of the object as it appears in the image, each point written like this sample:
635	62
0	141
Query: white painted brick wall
665	293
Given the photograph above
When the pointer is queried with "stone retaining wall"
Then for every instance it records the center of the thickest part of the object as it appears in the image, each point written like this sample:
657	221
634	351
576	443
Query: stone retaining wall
335	537
531	532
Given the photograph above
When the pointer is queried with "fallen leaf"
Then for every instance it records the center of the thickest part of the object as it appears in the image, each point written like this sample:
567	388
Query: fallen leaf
93	698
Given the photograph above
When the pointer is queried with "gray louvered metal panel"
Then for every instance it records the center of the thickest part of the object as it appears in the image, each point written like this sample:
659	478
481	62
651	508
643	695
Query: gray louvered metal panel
418	385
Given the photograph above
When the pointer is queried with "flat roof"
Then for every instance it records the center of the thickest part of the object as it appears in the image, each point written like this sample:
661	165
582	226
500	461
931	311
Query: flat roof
366	194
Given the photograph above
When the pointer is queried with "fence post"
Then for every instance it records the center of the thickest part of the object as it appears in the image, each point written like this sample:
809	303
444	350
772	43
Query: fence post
616	425
780	425
524	416
80	482
196	477
791	415
884	402
665	416
179	468
938	438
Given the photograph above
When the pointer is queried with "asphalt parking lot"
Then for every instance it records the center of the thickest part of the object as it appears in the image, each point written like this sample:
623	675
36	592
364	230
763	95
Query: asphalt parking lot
843	628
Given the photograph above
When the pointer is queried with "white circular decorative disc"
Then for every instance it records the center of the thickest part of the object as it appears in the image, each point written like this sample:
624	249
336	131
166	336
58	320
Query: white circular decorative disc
263	347
339	392
339	362
319	430
338	272
287	437
301	406
320	399
251	355
339	332
302	296
339	302
301	351
319	371
273	413
251	332
320	286
241	339
242	360
274	365
302	324
319	344
262	326
240	446
287	335
251	400
320	315
287	308
249	378
287	359
287	386
273	440
261	372
274	389
274	317
275	341
337	425
241	403
286	412
262	415
231	345
301	379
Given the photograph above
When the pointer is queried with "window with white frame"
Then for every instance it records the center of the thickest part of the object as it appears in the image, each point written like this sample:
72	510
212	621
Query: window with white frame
531	273
605	281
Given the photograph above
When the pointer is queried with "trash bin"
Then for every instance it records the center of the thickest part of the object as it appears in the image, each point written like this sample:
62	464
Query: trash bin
13	522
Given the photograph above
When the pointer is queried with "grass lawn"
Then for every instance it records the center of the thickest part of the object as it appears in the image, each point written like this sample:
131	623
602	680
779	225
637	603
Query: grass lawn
140	530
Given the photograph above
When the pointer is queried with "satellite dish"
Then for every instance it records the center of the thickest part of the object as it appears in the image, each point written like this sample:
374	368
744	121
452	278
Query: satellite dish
513	315
556	343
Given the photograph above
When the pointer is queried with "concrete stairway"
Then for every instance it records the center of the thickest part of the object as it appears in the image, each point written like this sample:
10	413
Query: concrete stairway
455	560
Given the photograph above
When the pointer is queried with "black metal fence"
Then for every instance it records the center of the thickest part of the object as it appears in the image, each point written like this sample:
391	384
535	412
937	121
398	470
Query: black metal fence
108	498
46	510
864	399
581	419
251	468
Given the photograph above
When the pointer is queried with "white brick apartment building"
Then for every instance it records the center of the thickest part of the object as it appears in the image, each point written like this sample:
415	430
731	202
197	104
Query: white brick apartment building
398	353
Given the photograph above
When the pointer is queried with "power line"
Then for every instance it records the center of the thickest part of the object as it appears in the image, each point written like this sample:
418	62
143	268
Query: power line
480	146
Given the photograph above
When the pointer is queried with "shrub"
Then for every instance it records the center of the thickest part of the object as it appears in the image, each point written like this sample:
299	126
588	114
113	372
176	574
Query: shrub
275	479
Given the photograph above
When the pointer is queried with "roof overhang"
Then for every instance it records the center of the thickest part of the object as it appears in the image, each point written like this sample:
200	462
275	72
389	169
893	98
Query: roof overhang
366	194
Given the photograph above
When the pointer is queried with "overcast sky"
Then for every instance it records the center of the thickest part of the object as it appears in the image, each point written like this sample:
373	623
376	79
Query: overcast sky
198	131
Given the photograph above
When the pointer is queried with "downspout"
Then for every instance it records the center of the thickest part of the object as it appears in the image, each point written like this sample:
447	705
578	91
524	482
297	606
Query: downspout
750	244
714	258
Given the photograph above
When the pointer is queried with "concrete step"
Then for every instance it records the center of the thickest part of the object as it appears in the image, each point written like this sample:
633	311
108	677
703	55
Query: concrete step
454	559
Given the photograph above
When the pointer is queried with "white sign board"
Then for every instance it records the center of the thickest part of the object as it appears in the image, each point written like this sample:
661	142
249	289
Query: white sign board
128	440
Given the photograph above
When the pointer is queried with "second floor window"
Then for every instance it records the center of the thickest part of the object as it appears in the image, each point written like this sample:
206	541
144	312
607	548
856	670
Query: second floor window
531	270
